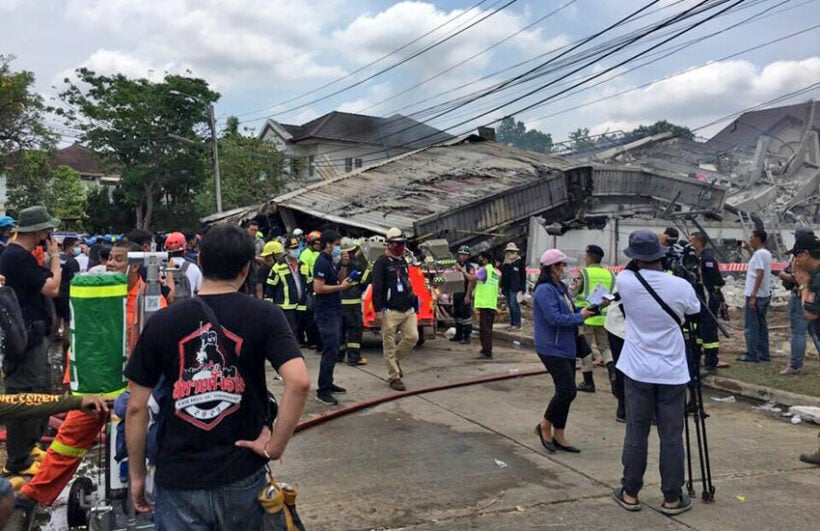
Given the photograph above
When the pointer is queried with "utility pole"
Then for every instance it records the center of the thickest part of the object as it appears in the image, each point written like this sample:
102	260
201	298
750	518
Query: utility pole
215	142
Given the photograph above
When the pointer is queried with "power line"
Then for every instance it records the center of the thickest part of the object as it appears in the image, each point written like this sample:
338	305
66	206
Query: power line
401	62
672	20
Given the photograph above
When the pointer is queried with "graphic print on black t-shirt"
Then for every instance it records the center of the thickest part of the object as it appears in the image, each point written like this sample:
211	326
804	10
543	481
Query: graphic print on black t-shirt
209	387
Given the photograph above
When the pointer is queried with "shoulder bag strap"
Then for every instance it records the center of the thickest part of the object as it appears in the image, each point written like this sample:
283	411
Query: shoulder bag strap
657	298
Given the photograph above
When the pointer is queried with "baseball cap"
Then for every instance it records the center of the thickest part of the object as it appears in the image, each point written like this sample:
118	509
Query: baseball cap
554	256
806	242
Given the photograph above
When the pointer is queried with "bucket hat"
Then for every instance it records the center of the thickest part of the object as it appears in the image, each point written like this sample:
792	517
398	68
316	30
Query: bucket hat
645	246
36	218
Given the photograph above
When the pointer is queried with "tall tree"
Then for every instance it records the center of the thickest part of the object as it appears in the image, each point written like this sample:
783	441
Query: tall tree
580	139
21	112
662	126
133	124
68	195
32	181
252	169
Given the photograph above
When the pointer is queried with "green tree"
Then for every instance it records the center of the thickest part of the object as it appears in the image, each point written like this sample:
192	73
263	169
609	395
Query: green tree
105	212
68	199
136	124
21	113
662	126
580	139
516	134
29	181
252	169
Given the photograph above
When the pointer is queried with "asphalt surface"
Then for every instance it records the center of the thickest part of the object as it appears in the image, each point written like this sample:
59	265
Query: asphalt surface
468	458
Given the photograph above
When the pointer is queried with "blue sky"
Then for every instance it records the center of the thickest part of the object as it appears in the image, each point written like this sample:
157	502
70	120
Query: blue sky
259	53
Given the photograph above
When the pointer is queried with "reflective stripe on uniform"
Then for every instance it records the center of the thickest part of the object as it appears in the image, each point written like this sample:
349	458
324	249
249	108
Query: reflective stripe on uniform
66	450
353	345
351	301
715	344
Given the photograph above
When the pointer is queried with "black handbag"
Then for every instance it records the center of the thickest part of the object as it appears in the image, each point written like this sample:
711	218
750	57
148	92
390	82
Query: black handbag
582	348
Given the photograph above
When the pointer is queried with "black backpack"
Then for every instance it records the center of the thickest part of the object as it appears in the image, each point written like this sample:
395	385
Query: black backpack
13	332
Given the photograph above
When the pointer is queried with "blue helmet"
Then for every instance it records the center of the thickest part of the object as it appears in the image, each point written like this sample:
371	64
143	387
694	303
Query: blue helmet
7	221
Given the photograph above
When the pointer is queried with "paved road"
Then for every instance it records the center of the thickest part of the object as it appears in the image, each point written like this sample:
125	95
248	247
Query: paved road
429	461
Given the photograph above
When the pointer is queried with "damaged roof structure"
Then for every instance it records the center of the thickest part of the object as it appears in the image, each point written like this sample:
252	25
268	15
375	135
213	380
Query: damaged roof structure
768	160
480	192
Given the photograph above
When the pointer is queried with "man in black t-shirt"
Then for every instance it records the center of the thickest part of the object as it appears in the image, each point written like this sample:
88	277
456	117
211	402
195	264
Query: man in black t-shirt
70	267
33	285
327	311
214	438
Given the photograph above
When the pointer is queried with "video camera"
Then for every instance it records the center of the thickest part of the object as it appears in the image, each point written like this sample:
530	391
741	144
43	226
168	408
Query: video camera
149	259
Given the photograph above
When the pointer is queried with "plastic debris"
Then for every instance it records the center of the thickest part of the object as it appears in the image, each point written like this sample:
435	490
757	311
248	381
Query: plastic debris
514	371
768	406
796	419
741	499
520	508
727	399
500	463
810	413
516	344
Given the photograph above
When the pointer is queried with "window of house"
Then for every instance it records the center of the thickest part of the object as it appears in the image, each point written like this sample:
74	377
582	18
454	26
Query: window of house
358	163
311	165
348	164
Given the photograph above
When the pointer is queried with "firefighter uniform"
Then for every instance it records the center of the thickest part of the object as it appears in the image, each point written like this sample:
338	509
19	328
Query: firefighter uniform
708	288
352	313
307	333
287	288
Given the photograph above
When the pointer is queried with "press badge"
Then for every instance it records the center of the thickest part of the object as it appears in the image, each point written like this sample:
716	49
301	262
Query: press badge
399	286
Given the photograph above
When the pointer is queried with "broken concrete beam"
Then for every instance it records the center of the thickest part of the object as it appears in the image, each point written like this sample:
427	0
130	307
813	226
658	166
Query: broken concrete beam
754	200
806	191
758	159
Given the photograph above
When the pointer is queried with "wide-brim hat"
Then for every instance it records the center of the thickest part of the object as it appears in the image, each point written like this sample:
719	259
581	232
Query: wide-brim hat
511	247
645	246
36	218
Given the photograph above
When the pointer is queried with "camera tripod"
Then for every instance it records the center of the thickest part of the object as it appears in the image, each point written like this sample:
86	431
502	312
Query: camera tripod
694	407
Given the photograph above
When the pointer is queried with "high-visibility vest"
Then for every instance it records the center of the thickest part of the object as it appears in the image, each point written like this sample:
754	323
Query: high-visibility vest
486	291
353	294
593	275
308	260
281	288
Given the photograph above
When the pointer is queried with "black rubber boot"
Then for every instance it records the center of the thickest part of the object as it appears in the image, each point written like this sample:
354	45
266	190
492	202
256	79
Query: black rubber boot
588	385
465	334
610	368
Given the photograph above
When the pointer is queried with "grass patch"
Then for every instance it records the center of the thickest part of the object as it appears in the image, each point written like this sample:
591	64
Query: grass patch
766	374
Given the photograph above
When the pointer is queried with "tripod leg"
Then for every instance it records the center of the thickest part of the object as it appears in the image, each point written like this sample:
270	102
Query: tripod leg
708	486
689	486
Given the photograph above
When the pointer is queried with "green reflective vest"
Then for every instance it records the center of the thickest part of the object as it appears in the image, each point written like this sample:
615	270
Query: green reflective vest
593	275
308	259
486	292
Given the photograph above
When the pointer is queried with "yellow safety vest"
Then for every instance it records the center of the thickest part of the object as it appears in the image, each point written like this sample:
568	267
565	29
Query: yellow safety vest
486	292
593	275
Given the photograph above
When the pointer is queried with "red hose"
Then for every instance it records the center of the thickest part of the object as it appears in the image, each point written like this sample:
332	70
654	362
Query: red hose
358	406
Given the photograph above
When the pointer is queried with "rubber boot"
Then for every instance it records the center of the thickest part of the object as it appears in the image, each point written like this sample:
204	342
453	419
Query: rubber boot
459	333
588	385
620	413
467	331
610	368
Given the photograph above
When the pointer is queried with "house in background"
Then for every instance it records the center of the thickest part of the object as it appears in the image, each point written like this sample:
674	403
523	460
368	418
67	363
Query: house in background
85	162
340	142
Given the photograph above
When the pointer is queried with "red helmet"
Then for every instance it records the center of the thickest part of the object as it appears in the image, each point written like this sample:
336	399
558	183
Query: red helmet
314	236
175	242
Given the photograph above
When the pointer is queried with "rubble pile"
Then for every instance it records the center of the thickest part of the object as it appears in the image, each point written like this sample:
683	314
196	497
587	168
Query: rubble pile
733	291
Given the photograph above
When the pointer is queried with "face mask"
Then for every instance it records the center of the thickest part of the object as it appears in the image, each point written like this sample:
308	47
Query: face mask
294	253
399	250
76	251
337	252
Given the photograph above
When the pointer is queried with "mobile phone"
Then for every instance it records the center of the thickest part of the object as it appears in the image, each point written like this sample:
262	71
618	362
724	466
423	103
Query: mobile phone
609	297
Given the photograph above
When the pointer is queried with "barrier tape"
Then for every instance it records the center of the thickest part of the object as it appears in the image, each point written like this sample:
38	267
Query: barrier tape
724	268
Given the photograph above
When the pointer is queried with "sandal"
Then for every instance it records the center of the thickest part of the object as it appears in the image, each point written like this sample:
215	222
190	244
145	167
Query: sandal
618	496
684	504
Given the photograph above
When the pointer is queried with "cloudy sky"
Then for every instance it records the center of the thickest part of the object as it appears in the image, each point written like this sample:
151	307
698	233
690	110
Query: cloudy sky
268	57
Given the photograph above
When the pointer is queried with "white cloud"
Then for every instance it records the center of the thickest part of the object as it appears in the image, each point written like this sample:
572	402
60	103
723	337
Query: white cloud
228	42
702	94
8	5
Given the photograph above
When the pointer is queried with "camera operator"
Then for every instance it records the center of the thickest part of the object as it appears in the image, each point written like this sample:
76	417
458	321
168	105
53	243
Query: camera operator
655	368
709	282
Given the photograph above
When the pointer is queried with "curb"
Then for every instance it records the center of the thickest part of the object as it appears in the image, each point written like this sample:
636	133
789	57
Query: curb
525	340
758	392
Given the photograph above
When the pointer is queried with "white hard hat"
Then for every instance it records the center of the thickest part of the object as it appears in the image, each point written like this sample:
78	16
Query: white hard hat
394	235
298	232
348	244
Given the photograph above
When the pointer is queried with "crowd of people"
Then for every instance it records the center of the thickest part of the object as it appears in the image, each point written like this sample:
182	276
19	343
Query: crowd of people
236	301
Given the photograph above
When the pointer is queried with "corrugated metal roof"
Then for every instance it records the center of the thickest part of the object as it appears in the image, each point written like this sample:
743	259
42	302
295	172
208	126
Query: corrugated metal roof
466	187
408	188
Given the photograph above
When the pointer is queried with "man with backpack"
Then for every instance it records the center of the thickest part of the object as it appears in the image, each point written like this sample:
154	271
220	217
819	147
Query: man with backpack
187	275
